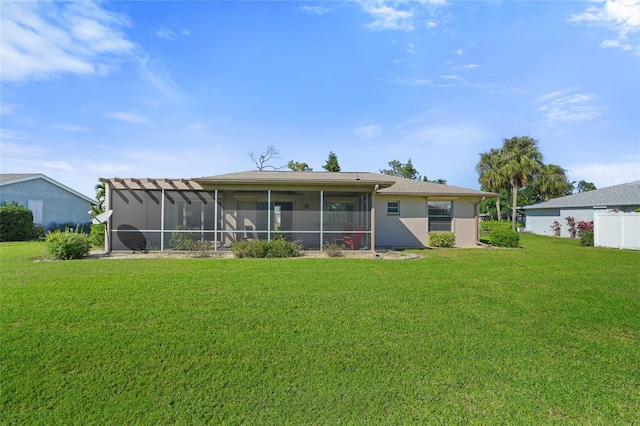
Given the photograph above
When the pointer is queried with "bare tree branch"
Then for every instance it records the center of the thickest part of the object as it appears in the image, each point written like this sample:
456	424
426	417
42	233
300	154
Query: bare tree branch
261	161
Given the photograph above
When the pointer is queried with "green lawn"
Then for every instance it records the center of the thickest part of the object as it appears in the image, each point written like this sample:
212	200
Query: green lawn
546	334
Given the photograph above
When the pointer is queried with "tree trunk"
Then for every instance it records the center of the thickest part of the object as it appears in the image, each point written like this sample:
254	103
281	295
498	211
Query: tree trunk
498	208
514	199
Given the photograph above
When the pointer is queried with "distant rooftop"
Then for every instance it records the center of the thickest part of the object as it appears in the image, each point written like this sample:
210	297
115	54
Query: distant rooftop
626	194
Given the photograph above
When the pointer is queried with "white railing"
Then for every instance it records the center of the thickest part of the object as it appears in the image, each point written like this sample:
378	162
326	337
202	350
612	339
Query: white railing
616	230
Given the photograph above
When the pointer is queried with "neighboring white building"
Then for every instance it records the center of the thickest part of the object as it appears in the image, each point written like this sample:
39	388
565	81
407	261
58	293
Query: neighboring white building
49	200
540	217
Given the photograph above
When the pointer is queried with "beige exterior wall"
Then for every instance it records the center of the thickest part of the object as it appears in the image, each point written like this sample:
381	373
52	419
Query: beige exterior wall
409	228
464	223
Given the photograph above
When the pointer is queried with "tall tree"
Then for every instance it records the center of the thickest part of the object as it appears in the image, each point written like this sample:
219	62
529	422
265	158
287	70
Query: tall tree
262	160
551	181
403	170
332	163
299	167
101	195
584	186
490	174
439	180
521	161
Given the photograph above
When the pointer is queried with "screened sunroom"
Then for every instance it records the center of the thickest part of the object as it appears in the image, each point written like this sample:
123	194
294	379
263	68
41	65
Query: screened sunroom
312	209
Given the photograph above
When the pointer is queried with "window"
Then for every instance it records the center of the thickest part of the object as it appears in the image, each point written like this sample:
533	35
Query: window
341	212
439	216
393	207
36	208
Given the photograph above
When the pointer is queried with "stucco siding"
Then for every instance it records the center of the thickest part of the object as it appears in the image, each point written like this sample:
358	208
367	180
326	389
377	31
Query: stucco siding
464	223
407	229
57	204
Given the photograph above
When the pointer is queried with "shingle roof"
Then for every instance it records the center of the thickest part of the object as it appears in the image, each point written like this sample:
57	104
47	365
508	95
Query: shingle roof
619	195
5	177
404	186
13	178
391	185
307	178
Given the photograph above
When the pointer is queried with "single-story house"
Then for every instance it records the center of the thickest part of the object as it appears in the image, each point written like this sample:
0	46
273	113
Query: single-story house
356	210
49	200
540	216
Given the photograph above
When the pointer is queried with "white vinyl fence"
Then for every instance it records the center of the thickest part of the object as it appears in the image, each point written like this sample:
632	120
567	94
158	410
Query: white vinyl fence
617	230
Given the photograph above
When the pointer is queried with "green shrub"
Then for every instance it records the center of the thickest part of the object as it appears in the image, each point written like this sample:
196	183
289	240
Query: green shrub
262	249
97	235
586	237
488	226
38	232
68	244
16	222
504	238
183	240
332	249
201	249
444	239
80	227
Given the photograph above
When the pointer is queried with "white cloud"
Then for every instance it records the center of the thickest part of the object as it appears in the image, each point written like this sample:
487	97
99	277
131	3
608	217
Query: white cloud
195	126
8	108
469	66
110	168
185	32
72	128
368	132
165	33
127	116
12	135
565	106
42	39
607	174
621	16
59	165
161	79
442	135
387	18
314	10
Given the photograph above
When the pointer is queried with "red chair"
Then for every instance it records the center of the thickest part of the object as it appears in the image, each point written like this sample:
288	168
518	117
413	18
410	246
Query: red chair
354	242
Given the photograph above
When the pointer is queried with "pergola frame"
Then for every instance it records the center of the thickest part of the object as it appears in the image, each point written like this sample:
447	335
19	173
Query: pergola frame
222	204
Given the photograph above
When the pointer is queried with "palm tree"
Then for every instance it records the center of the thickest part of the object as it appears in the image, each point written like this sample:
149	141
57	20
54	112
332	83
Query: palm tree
491	179
521	161
552	181
101	195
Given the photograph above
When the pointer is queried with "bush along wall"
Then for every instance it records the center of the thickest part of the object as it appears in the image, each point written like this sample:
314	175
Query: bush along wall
67	244
488	226
16	222
442	240
504	238
262	249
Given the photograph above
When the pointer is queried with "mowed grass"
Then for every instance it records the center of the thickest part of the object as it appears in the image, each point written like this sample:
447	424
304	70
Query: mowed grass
546	334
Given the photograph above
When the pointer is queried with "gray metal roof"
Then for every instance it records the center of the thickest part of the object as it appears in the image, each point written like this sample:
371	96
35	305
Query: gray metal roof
626	194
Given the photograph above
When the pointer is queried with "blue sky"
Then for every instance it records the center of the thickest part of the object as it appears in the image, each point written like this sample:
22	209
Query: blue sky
188	89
